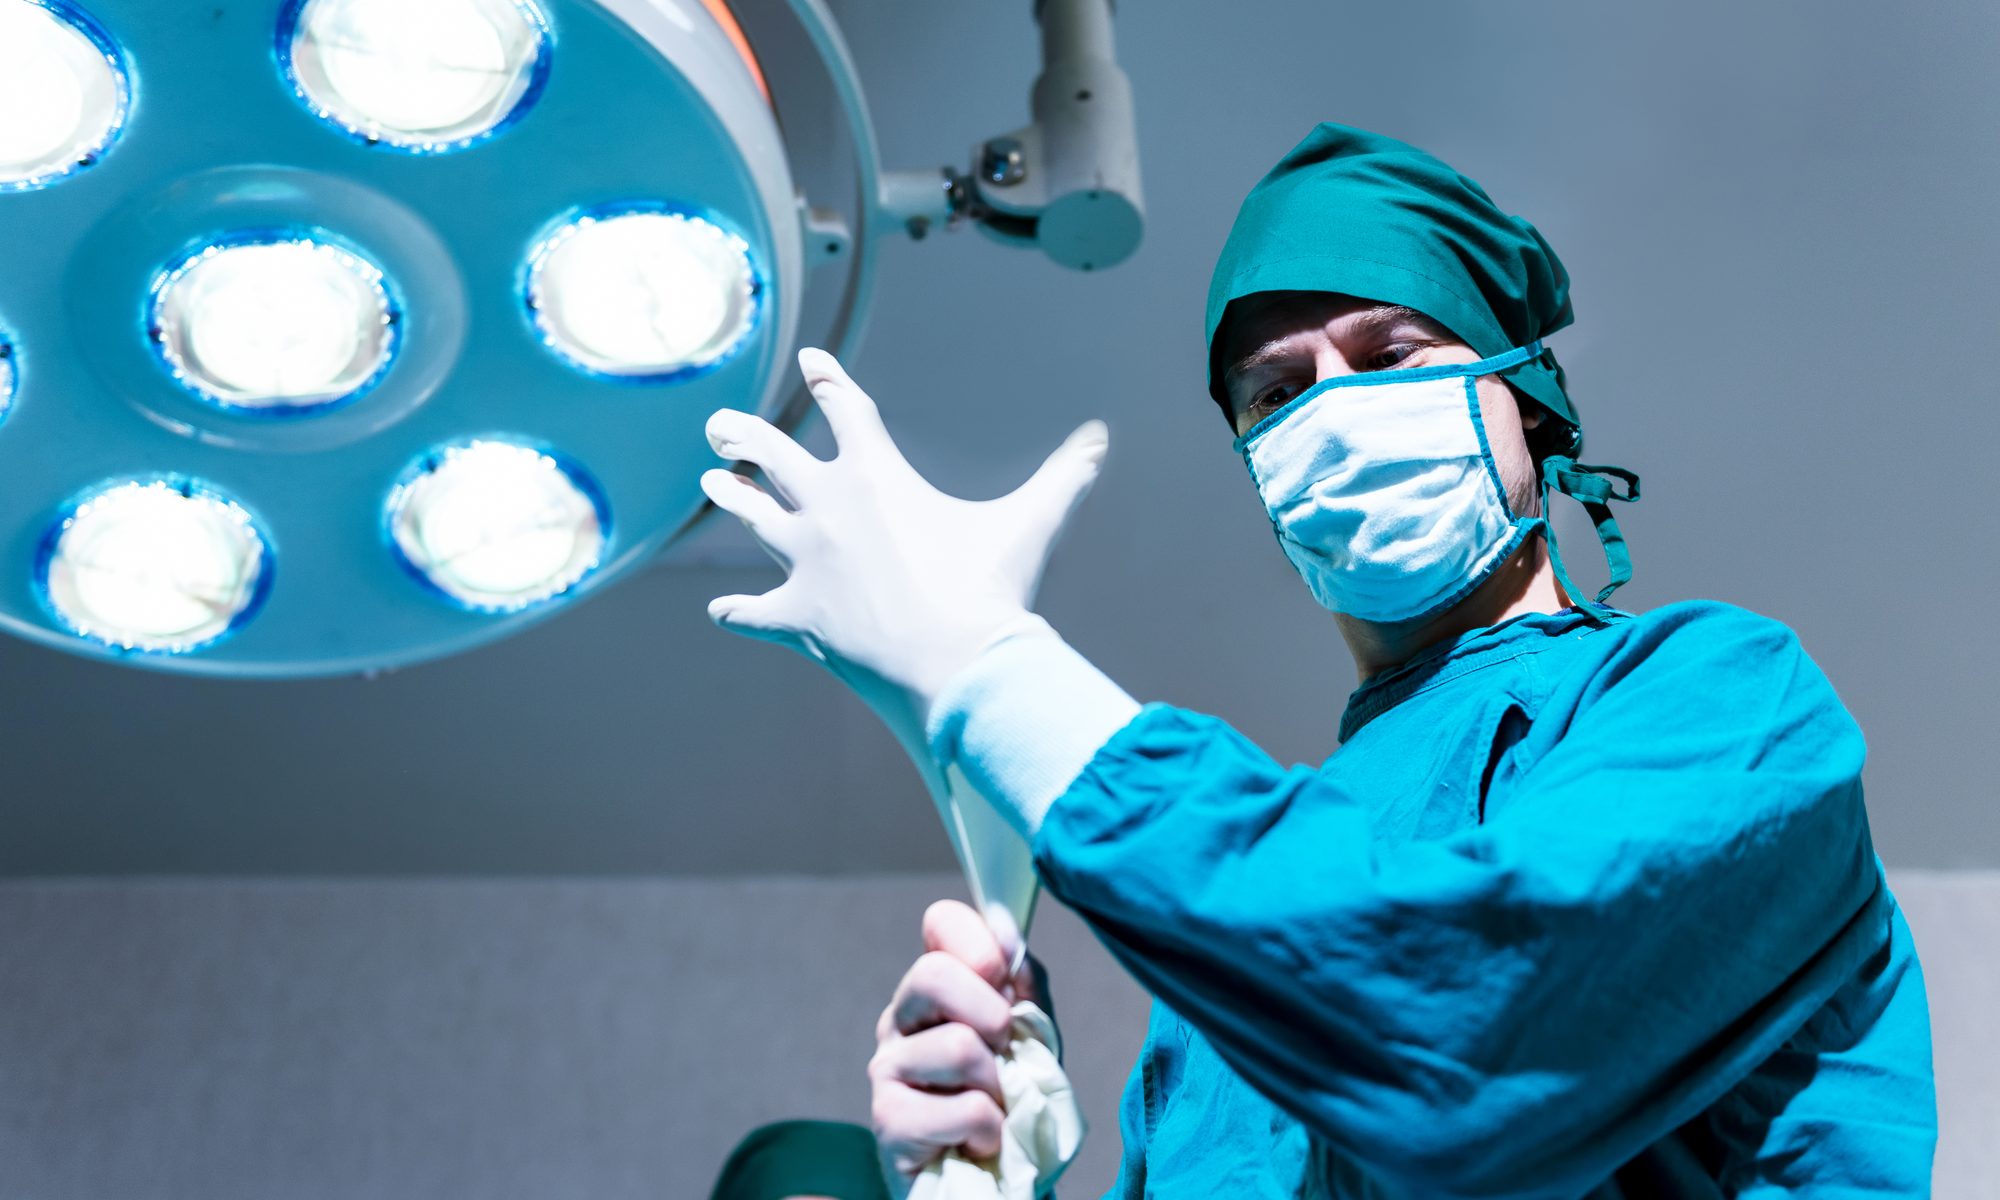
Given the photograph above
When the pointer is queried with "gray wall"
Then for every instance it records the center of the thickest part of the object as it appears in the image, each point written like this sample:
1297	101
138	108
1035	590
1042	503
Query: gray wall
1780	218
234	1040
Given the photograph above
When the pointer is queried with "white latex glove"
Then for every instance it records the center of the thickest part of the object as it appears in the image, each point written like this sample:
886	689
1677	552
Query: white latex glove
893	585
1042	1131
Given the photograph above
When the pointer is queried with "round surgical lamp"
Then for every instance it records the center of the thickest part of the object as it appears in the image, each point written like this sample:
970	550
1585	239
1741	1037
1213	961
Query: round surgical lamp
337	335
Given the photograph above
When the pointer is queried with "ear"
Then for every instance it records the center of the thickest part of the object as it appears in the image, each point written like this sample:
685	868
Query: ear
1531	412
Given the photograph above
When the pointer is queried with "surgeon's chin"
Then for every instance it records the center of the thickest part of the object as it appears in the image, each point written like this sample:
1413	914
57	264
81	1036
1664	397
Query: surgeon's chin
1523	584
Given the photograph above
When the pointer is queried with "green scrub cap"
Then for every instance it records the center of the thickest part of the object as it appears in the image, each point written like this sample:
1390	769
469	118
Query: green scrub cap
803	1158
1365	215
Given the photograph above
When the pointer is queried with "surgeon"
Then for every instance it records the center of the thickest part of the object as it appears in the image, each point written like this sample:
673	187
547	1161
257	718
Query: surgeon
1584	904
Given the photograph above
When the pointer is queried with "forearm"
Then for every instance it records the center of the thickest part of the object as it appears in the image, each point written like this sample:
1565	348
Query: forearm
1440	999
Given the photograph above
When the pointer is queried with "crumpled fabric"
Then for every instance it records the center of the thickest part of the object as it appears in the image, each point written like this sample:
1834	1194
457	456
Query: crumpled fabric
1043	1130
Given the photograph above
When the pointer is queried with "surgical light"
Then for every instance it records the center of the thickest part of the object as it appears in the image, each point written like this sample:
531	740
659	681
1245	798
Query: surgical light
498	526
643	294
417	74
62	93
277	325
154	566
436	289
6	376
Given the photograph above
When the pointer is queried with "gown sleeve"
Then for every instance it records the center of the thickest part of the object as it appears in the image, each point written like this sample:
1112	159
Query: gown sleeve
1681	874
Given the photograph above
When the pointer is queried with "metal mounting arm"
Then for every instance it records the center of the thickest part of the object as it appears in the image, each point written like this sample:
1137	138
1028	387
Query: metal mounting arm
1069	181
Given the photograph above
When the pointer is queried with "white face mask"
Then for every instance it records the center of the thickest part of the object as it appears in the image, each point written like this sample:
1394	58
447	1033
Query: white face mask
1383	489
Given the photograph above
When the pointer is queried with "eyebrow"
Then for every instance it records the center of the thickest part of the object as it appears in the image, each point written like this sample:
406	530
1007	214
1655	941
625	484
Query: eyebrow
1370	322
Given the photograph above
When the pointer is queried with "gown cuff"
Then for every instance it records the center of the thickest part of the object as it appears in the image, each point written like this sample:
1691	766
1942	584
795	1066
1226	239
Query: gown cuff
1023	720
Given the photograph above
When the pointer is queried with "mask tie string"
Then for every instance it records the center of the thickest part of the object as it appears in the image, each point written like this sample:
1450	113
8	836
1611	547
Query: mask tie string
1595	488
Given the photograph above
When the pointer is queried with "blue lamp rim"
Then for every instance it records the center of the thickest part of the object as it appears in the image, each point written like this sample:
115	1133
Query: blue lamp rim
10	386
187	485
99	36
550	235
538	80
427	464
195	250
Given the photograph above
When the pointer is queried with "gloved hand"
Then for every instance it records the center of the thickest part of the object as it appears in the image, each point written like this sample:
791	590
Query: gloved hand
893	585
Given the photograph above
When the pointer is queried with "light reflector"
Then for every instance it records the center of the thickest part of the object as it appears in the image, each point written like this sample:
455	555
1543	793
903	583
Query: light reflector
498	526
155	566
6	376
643	294
62	93
422	75
278	326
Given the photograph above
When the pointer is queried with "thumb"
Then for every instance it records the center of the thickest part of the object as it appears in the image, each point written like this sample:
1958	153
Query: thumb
766	617
1042	505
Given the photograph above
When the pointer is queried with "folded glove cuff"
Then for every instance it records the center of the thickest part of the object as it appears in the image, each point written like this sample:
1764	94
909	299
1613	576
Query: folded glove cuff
1024	719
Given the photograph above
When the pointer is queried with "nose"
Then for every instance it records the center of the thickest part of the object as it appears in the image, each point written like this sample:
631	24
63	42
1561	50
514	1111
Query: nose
1330	363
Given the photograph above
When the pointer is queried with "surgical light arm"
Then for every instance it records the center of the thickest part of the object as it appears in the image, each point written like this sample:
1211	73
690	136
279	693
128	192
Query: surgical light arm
1067	182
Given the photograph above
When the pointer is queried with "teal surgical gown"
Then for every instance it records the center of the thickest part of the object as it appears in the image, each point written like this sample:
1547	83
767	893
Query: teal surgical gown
1580	907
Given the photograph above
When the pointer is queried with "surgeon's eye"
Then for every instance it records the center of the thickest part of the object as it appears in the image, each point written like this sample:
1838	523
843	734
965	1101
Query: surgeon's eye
1390	357
1273	397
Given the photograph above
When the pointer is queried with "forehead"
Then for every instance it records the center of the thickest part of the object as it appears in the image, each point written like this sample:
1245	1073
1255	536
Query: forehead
1262	318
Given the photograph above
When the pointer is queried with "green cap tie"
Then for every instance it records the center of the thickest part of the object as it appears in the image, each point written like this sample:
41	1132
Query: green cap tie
1594	488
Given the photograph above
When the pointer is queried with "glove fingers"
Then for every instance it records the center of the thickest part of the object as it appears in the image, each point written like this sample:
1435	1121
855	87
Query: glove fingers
760	512
1045	502
745	437
854	418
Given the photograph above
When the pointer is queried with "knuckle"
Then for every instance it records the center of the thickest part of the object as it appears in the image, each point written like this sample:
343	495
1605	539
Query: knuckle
965	1047
933	969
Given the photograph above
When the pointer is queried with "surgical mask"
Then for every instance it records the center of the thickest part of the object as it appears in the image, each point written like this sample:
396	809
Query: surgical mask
1385	496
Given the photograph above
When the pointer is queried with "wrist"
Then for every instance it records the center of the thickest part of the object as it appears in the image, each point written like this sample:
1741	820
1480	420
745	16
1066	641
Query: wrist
1024	719
941	671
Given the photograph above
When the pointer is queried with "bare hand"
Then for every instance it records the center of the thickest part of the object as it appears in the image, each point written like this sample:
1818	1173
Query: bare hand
935	1074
